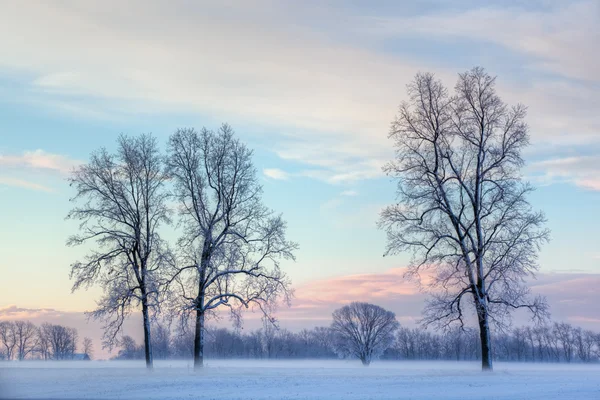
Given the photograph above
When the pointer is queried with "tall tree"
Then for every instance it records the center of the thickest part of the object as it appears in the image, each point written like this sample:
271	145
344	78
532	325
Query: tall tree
232	244
123	205
463	209
363	330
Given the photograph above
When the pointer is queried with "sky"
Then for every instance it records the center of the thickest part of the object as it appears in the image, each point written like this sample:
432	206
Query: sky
312	87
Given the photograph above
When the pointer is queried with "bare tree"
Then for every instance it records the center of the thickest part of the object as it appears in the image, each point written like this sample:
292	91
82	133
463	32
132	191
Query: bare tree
43	344
584	344
26	335
61	340
129	349
564	334
8	338
161	341
363	330
88	347
462	210
232	243
124	205
183	343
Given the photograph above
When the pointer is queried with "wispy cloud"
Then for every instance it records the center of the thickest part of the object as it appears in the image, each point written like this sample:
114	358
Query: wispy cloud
331	204
338	200
337	160
40	160
315	74
560	39
37	163
315	88
583	171
276	173
14	312
572	296
4	180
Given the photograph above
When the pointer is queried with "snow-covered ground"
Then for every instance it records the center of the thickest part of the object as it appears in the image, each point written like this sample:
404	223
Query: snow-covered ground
243	379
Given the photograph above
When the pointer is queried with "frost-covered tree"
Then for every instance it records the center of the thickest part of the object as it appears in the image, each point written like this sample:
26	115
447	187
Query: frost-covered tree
232	244
462	206
121	204
363	330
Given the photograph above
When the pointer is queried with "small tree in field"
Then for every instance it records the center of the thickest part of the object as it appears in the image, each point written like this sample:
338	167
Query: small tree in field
88	347
232	244
122	204
463	210
363	330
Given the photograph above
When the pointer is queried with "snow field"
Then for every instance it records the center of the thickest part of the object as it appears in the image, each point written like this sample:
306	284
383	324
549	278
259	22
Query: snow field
311	379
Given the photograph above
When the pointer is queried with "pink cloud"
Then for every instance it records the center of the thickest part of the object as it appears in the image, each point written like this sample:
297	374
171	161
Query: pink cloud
573	298
315	301
13	312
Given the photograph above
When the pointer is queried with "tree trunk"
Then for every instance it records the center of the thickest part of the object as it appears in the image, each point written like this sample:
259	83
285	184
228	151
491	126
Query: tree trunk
199	340
147	341
199	331
485	338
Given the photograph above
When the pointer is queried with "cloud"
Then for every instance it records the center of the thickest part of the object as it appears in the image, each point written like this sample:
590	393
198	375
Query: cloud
359	287
315	301
39	160
336	160
36	162
316	74
557	48
4	180
12	312
331	204
275	173
572	296
264	67
583	171
561	39
335	202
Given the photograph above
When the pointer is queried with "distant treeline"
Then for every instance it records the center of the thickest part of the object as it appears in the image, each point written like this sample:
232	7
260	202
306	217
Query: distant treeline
559	342
21	340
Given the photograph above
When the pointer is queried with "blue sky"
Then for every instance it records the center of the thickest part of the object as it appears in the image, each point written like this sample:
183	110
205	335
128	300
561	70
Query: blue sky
312	86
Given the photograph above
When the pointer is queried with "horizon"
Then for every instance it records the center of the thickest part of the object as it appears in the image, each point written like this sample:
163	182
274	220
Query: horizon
312	88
